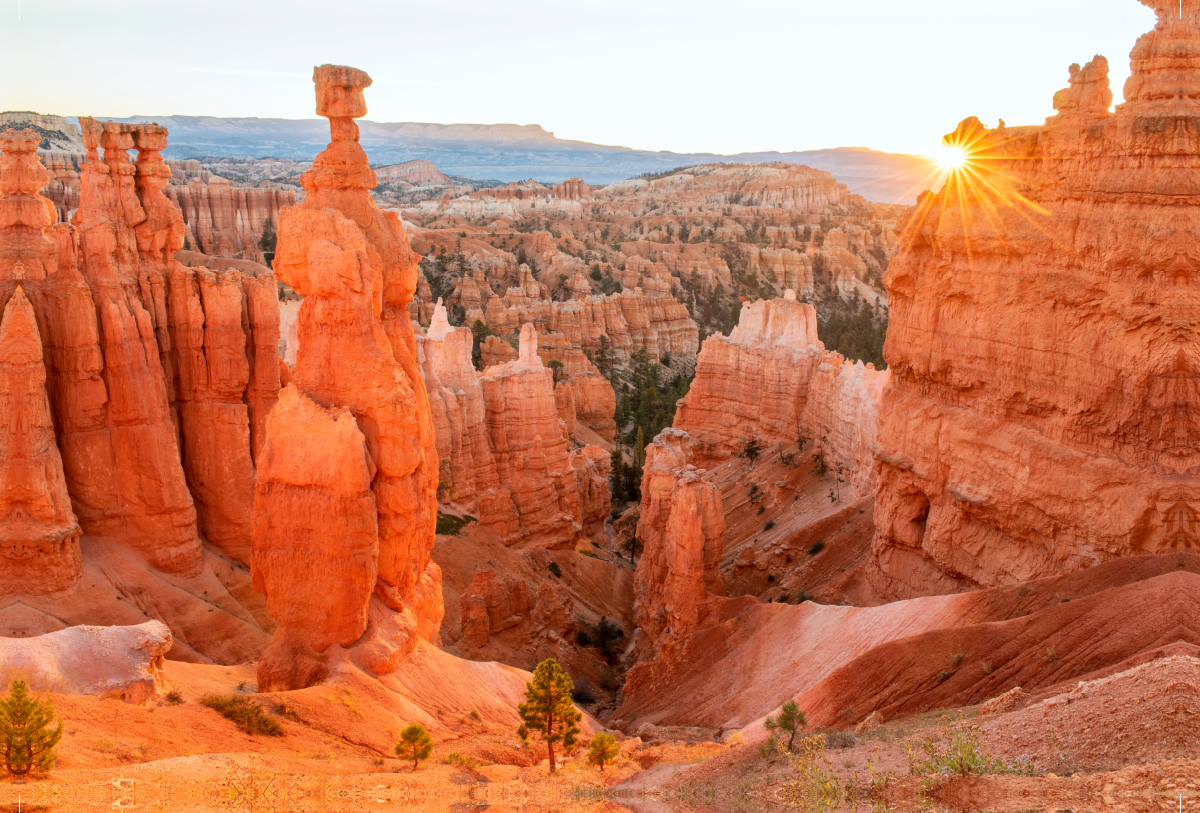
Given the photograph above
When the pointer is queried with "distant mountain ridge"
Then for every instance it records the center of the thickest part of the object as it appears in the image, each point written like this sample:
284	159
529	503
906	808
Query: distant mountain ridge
512	152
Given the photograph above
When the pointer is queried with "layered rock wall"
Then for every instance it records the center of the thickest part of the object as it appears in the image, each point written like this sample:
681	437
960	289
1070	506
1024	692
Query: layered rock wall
772	380
1044	409
530	447
228	221
502	440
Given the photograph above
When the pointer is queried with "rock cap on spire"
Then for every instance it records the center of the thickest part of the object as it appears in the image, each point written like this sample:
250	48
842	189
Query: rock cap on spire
340	91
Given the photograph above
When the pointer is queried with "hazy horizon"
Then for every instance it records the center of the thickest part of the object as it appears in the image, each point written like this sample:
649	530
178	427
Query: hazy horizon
685	78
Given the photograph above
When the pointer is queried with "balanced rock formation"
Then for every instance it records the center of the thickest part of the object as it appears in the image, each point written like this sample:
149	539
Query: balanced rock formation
680	527
1043	413
352	437
772	380
119	662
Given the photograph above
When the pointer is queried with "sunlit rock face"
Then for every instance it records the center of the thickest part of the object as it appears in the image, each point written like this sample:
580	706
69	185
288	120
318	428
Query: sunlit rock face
345	504
1043	413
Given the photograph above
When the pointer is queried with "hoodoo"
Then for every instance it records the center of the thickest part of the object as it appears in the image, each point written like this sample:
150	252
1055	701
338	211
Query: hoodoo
352	437
39	537
1044	407
681	527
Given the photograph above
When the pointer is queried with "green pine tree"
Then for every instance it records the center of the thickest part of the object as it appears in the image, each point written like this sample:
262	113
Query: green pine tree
24	732
603	748
790	720
548	709
415	743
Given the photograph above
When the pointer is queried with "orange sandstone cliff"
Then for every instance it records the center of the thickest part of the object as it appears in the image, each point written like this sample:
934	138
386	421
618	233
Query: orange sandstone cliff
130	402
1044	407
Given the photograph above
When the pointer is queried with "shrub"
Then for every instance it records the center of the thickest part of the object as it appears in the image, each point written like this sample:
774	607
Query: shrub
555	569
415	743
450	525
789	720
245	713
768	525
603	748
943	676
583	694
1051	657
455	758
582	638
840	739
751	449
760	510
25	732
957	659
606	634
817	547
958	750
174	698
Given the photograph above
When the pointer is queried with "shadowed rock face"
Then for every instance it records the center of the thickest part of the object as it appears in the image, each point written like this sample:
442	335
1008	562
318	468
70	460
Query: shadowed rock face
1044	344
358	405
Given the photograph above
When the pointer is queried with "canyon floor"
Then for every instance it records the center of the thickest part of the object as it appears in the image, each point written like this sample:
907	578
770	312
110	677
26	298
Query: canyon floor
1120	741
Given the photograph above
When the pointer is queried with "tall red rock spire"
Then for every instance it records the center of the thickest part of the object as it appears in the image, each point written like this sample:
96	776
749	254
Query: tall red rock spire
357	364
39	537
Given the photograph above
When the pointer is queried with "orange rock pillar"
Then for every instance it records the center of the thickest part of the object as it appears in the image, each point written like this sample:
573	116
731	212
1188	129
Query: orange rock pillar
353	266
39	537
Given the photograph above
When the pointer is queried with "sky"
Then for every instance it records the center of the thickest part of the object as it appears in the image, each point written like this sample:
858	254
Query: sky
680	75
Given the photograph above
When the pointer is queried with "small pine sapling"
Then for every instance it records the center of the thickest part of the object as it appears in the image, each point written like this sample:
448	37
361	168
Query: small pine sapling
603	748
415	743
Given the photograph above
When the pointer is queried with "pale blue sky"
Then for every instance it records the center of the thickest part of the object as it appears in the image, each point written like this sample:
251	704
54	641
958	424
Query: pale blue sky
652	74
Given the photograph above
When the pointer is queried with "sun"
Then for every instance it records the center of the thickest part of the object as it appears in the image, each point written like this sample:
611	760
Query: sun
950	158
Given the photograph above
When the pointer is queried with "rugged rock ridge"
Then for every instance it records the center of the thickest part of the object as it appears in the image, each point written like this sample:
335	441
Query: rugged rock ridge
772	380
621	324
680	526
785	186
130	401
113	312
345	505
1043	413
